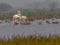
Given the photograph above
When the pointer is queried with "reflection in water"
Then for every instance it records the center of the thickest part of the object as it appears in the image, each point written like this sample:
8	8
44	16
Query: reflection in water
8	29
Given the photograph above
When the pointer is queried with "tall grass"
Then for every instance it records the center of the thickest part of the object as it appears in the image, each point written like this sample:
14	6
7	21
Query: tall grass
31	40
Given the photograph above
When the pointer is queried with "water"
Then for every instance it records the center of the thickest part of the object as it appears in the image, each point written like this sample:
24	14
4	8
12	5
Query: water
9	29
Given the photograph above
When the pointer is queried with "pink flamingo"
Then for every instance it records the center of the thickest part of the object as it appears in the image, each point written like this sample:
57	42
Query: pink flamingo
19	16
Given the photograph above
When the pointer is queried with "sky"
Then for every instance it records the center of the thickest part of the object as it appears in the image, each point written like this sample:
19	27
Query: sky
19	2
27	3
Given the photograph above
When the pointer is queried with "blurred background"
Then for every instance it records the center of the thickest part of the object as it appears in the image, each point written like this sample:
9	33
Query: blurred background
32	8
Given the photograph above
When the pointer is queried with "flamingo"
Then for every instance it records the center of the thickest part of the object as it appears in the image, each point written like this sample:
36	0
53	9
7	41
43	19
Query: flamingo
19	16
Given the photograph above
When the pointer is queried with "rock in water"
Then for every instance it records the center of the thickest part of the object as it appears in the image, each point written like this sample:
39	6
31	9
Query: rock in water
16	23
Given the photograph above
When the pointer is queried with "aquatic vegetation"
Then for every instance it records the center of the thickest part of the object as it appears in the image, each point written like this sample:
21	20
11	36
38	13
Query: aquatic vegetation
31	40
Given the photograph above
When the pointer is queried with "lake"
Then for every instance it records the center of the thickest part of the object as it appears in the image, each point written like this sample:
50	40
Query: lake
9	29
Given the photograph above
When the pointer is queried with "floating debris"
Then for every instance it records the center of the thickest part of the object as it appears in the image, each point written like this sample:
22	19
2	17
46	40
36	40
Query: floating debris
48	22
55	22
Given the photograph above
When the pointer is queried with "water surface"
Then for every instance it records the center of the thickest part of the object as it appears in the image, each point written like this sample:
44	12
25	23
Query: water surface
9	29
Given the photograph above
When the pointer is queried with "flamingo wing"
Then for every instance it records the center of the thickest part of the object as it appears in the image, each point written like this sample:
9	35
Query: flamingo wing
24	17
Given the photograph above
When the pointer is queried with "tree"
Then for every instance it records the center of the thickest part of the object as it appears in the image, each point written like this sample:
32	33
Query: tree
5	7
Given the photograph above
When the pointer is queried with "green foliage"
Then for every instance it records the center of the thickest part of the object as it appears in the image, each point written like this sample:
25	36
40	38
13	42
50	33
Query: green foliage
32	14
27	13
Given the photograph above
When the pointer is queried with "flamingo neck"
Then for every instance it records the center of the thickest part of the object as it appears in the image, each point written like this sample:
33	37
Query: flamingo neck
20	17
19	14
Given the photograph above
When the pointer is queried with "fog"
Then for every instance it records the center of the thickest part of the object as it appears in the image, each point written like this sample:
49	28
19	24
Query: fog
30	3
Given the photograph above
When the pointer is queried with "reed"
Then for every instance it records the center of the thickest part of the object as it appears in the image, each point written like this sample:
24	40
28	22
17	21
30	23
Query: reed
31	40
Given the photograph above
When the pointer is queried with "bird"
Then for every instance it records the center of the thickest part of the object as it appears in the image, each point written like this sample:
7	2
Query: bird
19	16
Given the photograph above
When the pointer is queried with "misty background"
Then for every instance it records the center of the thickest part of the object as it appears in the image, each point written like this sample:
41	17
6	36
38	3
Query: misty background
32	4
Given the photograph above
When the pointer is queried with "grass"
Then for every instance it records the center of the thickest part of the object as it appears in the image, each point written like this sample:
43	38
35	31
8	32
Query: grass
31	40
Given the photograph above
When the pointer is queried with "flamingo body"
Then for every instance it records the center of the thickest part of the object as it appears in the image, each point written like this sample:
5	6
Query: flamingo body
19	16
15	17
23	17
